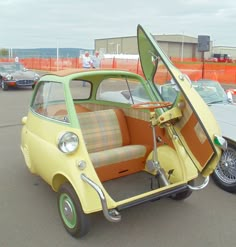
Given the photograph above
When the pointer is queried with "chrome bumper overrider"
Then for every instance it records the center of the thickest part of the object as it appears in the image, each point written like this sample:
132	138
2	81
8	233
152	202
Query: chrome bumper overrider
201	186
112	215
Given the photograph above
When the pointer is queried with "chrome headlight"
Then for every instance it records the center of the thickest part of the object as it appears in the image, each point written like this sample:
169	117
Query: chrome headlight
36	77
8	77
68	142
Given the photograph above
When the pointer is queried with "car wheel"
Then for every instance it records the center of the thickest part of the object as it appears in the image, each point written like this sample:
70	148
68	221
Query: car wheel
74	219
183	195
225	173
4	86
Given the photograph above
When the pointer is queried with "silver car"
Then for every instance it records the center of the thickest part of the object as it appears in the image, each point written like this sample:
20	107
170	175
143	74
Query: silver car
224	110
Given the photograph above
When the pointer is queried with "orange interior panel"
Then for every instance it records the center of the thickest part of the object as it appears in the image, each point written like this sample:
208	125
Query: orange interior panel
202	151
120	169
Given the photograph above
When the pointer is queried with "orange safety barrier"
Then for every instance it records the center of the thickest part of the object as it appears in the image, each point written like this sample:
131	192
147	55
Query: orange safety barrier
231	90
222	72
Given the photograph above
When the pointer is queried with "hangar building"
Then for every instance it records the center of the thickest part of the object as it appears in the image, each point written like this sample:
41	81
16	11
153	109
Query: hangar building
176	46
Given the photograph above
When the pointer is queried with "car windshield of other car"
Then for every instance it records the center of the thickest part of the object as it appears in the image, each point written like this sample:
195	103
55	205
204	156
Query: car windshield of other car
169	91
122	90
48	95
164	83
7	67
210	91
11	67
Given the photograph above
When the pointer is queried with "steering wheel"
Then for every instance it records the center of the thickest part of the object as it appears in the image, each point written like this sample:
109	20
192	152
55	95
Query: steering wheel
152	105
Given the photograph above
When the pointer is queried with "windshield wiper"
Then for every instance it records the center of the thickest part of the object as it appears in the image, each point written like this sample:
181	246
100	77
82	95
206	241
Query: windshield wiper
214	102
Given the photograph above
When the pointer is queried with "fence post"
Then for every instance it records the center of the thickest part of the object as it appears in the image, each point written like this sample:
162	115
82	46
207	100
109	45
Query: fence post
114	65
137	70
50	64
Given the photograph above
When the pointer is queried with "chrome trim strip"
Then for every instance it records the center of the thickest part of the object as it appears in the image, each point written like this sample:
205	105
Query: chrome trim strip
111	215
48	118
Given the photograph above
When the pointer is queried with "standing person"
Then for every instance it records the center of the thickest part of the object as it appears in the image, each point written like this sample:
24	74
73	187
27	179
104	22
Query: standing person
17	63
87	63
16	59
96	60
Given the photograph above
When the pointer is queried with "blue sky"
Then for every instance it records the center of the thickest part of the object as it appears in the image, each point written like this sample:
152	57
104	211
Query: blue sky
76	23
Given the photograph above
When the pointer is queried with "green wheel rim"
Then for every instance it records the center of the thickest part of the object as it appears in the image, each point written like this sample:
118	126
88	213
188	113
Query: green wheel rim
67	211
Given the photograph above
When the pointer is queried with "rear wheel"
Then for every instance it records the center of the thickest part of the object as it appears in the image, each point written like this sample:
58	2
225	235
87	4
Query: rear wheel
225	173
183	195
4	86
74	219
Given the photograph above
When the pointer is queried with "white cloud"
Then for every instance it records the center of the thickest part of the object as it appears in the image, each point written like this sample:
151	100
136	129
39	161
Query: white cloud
75	23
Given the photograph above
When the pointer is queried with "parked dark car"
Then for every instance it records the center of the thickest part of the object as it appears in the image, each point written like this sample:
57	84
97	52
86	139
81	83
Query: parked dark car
16	75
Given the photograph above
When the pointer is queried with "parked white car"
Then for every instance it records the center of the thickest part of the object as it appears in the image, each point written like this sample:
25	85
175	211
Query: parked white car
224	109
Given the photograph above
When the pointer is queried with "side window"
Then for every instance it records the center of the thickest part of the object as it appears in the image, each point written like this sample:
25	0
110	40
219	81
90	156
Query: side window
80	89
49	101
39	102
122	90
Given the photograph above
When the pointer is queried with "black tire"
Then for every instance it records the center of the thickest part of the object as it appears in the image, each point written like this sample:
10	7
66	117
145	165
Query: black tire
225	173
183	195
74	219
4	86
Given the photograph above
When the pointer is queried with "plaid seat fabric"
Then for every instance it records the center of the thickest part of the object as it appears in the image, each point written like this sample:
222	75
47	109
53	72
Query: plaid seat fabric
117	155
107	138
101	130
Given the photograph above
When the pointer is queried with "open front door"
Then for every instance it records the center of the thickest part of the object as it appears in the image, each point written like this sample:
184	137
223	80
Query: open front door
197	126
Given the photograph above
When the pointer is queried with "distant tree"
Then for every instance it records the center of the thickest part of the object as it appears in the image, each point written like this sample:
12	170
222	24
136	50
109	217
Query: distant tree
4	52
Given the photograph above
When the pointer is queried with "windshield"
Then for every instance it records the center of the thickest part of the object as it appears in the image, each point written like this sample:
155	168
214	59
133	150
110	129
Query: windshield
156	67
10	67
211	91
193	126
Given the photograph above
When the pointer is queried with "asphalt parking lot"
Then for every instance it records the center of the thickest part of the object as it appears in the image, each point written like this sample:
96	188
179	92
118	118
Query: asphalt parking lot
29	217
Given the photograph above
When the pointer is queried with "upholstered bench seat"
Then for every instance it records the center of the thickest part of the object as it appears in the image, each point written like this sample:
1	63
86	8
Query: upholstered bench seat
108	143
117	155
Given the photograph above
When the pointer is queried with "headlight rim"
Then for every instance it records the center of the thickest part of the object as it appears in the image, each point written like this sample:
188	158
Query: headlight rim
63	145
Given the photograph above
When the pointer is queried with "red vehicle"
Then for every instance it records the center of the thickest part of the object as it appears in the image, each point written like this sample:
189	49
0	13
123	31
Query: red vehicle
222	58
